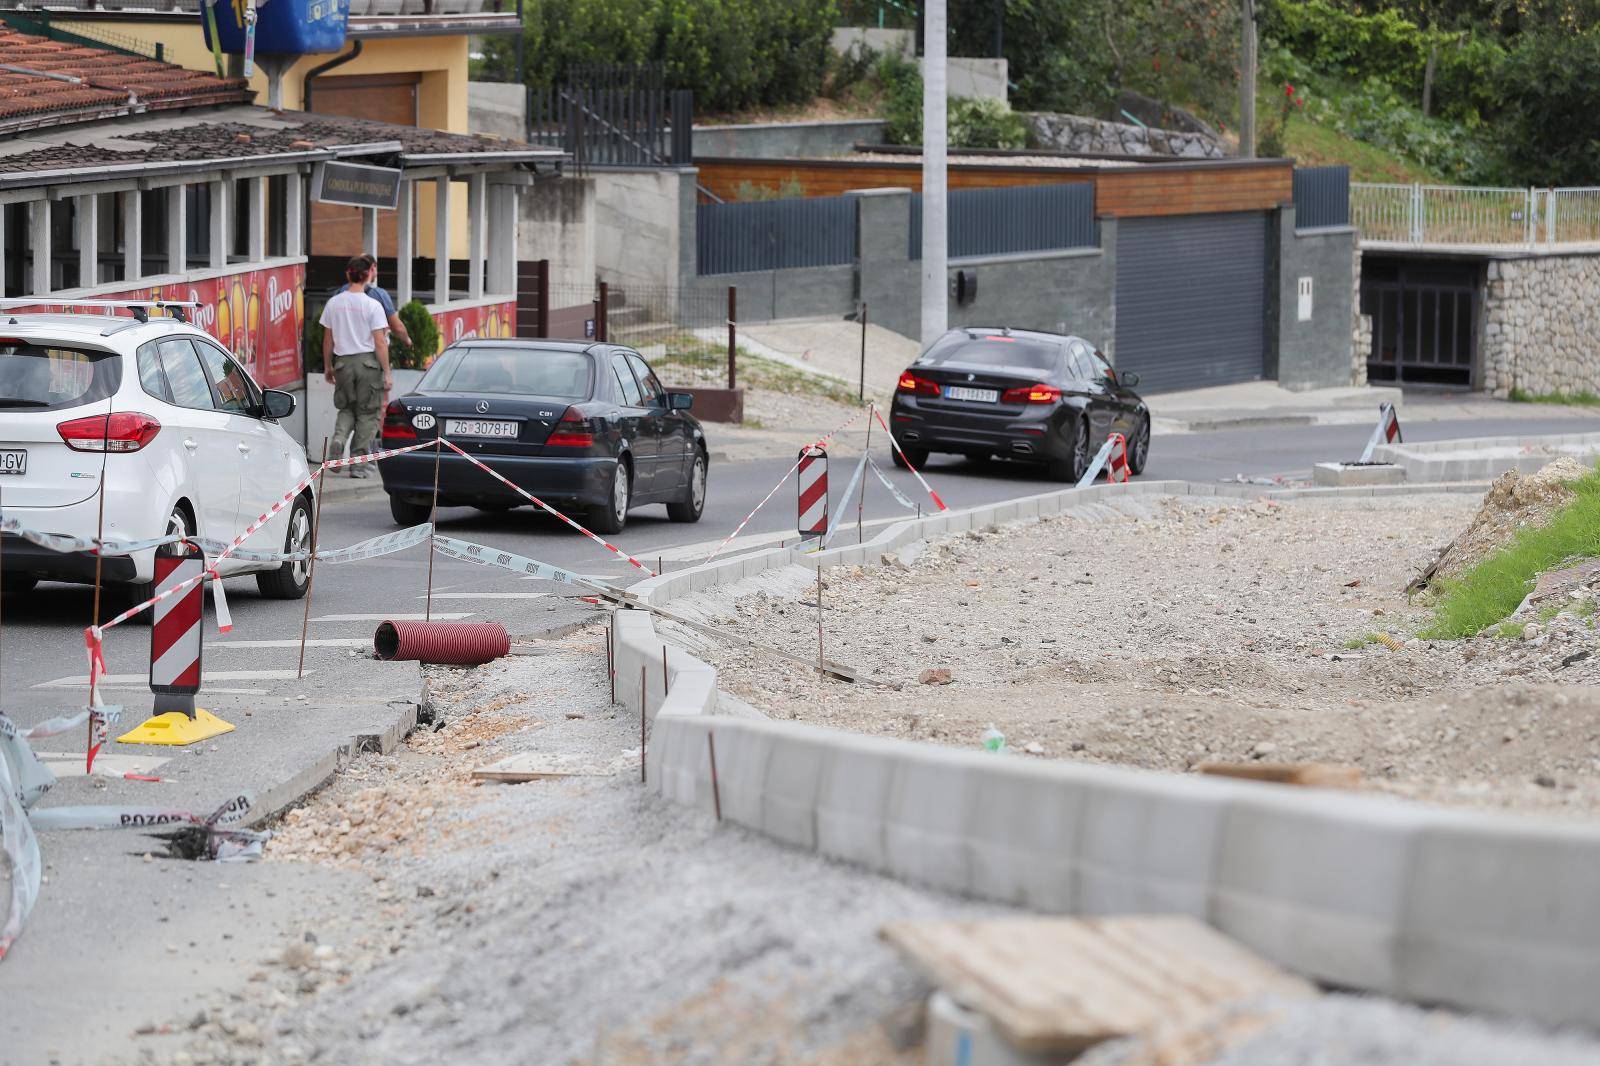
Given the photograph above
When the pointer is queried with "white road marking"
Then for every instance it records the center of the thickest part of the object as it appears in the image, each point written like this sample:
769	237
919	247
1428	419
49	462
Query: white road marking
487	596
390	617
144	679
314	642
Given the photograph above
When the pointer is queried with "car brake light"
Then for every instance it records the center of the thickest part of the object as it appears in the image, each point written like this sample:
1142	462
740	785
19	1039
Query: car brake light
122	431
396	426
909	382
1040	393
576	433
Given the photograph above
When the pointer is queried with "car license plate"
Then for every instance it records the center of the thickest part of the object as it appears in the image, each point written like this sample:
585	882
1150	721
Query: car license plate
14	461
956	392
469	427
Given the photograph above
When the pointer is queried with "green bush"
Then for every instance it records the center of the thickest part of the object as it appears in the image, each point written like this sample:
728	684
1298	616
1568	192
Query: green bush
972	123
424	338
733	53
1549	131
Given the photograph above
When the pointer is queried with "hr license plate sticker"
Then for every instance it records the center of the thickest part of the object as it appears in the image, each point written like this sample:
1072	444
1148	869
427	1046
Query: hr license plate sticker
957	392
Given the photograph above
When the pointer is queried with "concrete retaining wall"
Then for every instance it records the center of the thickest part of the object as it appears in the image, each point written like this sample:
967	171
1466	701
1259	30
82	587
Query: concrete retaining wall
787	140
1485	458
1477	911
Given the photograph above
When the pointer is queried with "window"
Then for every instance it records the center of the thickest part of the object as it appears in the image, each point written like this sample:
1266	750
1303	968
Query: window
1032	353
150	374
232	387
630	388
512	371
185	379
47	377
1102	369
1079	365
654	394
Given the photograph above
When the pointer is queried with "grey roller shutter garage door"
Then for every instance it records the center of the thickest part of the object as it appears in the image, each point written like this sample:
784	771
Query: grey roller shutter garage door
1191	299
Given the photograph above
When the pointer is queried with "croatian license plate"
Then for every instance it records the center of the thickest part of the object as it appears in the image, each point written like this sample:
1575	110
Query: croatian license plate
471	427
14	461
956	392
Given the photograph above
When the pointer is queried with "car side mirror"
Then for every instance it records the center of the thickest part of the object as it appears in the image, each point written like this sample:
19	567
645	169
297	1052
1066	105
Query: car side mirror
680	401
276	404
1130	379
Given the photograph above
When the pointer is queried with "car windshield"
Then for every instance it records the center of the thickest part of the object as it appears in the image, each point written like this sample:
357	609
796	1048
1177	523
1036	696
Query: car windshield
46	377
993	351
511	371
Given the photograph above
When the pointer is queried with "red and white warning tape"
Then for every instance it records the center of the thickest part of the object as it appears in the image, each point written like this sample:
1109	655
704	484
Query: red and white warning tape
530	497
820	442
901	452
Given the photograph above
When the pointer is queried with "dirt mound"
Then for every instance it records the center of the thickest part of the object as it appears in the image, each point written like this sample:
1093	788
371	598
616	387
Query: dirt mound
1514	501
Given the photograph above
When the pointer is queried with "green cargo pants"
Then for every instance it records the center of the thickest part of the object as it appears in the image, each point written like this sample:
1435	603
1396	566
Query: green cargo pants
358	397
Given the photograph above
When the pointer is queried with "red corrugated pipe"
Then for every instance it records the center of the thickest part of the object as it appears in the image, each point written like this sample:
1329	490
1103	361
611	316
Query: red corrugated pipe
445	643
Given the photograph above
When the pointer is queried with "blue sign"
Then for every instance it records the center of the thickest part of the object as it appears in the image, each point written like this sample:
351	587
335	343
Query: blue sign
283	27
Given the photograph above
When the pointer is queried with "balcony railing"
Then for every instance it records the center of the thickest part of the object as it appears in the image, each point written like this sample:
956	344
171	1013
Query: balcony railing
1475	215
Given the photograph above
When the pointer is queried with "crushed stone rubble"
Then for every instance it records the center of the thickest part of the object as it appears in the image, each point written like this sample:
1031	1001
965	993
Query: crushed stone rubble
1514	501
1165	632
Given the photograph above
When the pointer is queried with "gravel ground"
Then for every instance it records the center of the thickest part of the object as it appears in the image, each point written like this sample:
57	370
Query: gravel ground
563	921
1166	632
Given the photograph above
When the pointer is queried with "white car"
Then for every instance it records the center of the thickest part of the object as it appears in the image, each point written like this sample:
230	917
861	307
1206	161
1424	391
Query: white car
178	433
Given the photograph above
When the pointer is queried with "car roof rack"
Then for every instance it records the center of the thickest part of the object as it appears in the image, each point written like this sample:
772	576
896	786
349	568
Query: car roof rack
140	308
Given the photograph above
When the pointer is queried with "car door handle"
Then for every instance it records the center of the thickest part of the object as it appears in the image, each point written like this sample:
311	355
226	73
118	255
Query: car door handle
190	443
244	449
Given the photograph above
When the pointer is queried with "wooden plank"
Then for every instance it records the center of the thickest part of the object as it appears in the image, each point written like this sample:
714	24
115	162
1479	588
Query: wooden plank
1060	985
1308	775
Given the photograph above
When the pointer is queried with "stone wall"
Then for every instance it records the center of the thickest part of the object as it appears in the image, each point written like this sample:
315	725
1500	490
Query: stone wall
1362	328
1541	325
1076	133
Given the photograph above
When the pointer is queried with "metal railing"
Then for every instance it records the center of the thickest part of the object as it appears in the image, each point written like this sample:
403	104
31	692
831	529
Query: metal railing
1321	197
1021	218
737	237
617	127
1461	215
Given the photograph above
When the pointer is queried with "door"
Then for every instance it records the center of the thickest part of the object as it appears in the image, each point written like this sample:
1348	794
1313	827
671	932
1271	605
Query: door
670	429
1192	299
642	442
262	459
1102	410
1424	317
204	435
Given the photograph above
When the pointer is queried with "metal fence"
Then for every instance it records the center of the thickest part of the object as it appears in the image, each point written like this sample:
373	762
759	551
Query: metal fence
1321	197
682	333
641	127
733	238
1459	215
1023	218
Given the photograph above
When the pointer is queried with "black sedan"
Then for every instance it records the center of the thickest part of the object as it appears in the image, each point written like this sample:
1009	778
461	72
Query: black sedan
1036	397
580	425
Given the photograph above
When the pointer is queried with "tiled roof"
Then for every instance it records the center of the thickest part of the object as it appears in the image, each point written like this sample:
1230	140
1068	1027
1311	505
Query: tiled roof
46	83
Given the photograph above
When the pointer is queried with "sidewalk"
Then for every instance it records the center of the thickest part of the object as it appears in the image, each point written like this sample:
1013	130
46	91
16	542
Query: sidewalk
1261	404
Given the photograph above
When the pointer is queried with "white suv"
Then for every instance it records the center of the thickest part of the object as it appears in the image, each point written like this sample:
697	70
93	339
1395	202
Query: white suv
186	441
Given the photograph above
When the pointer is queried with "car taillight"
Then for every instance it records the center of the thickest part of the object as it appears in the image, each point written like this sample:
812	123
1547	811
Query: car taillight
122	431
572	431
1040	393
909	382
396	425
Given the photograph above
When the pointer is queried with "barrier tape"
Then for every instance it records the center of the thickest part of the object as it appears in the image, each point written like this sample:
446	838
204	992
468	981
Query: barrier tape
818	443
899	497
1097	465
22	853
849	492
386	544
901	452
482	553
525	494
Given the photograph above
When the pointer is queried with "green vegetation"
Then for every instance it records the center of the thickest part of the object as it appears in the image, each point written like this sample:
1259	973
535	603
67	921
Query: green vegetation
1490	591
1568	399
424	338
684	359
972	123
1363	641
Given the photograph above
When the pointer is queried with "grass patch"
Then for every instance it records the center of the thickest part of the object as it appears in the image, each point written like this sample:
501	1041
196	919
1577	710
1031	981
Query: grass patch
1492	590
1566	399
1363	641
1313	145
684	359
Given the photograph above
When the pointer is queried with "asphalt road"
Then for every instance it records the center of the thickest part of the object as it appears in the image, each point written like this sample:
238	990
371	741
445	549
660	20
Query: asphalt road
42	662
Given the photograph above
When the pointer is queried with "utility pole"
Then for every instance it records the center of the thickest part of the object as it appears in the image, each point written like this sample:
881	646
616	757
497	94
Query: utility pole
1247	80
935	243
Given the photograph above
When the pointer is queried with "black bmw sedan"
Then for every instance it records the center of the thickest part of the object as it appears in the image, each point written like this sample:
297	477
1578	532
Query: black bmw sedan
1037	397
579	425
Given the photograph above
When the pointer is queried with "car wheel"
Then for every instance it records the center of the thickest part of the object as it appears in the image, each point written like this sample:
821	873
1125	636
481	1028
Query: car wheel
290	580
133	595
693	503
917	457
1072	467
1139	449
406	513
614	516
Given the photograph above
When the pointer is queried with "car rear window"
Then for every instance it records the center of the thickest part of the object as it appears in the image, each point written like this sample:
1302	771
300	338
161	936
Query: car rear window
994	351
45	377
511	371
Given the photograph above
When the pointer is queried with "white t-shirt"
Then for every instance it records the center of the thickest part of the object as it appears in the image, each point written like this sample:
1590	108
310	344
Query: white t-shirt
351	317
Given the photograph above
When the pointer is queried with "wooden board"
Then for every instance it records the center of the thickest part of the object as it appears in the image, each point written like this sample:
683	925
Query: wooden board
1065	984
1309	775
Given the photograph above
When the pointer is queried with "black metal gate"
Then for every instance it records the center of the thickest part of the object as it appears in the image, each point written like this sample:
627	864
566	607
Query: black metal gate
1424	320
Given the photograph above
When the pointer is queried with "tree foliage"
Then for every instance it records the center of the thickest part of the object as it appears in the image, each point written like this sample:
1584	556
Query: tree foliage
1549	126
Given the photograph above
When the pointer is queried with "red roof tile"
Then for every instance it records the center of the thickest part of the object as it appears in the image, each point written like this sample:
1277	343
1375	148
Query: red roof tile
51	82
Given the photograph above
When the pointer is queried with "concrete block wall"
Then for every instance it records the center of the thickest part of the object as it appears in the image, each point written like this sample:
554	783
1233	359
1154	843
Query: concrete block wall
1319	352
556	221
644	225
1454	907
786	140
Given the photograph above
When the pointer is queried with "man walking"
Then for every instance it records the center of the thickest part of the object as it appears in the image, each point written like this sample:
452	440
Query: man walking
355	359
377	292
